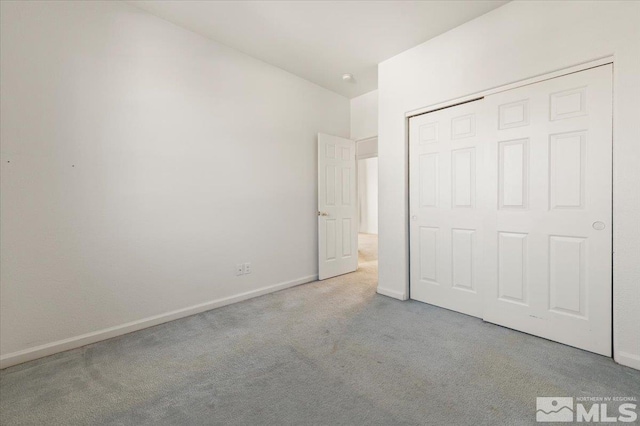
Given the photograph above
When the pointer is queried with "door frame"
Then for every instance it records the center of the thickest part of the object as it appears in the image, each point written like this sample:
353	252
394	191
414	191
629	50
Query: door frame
481	95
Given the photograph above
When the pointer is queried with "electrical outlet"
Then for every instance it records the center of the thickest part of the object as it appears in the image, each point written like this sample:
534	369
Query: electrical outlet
247	268
239	269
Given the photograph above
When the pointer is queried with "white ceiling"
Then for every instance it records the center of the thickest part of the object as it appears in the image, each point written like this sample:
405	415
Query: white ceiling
321	40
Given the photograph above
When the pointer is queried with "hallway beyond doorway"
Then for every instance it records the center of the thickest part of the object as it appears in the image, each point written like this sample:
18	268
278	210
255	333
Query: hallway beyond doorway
367	249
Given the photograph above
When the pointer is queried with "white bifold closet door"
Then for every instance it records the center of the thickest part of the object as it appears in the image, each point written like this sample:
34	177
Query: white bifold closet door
537	256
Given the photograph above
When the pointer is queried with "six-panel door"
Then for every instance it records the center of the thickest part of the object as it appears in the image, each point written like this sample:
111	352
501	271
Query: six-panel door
446	216
337	206
549	253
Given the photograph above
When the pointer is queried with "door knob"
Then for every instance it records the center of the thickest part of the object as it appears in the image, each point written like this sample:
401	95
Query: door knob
598	226
323	214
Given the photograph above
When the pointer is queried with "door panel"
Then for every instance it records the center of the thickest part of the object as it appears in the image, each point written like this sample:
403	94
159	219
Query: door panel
549	269
510	203
445	177
337	230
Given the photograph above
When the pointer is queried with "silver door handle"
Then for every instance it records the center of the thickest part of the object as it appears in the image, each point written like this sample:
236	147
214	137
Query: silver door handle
323	214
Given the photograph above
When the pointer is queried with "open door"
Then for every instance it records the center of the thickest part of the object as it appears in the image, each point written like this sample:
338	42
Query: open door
337	206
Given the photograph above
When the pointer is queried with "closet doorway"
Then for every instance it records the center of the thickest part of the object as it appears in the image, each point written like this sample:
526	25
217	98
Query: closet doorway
511	208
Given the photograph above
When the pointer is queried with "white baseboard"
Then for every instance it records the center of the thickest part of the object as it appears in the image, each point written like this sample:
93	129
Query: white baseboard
628	359
30	354
392	293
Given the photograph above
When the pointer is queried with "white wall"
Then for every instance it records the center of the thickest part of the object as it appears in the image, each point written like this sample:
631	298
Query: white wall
364	116
140	163
512	43
368	195
364	129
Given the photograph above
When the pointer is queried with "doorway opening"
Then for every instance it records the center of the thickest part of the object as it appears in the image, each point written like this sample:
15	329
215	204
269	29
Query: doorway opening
367	165
348	209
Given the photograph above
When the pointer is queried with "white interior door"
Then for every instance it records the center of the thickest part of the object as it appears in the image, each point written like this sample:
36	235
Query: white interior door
549	256
446	224
510	204
337	206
